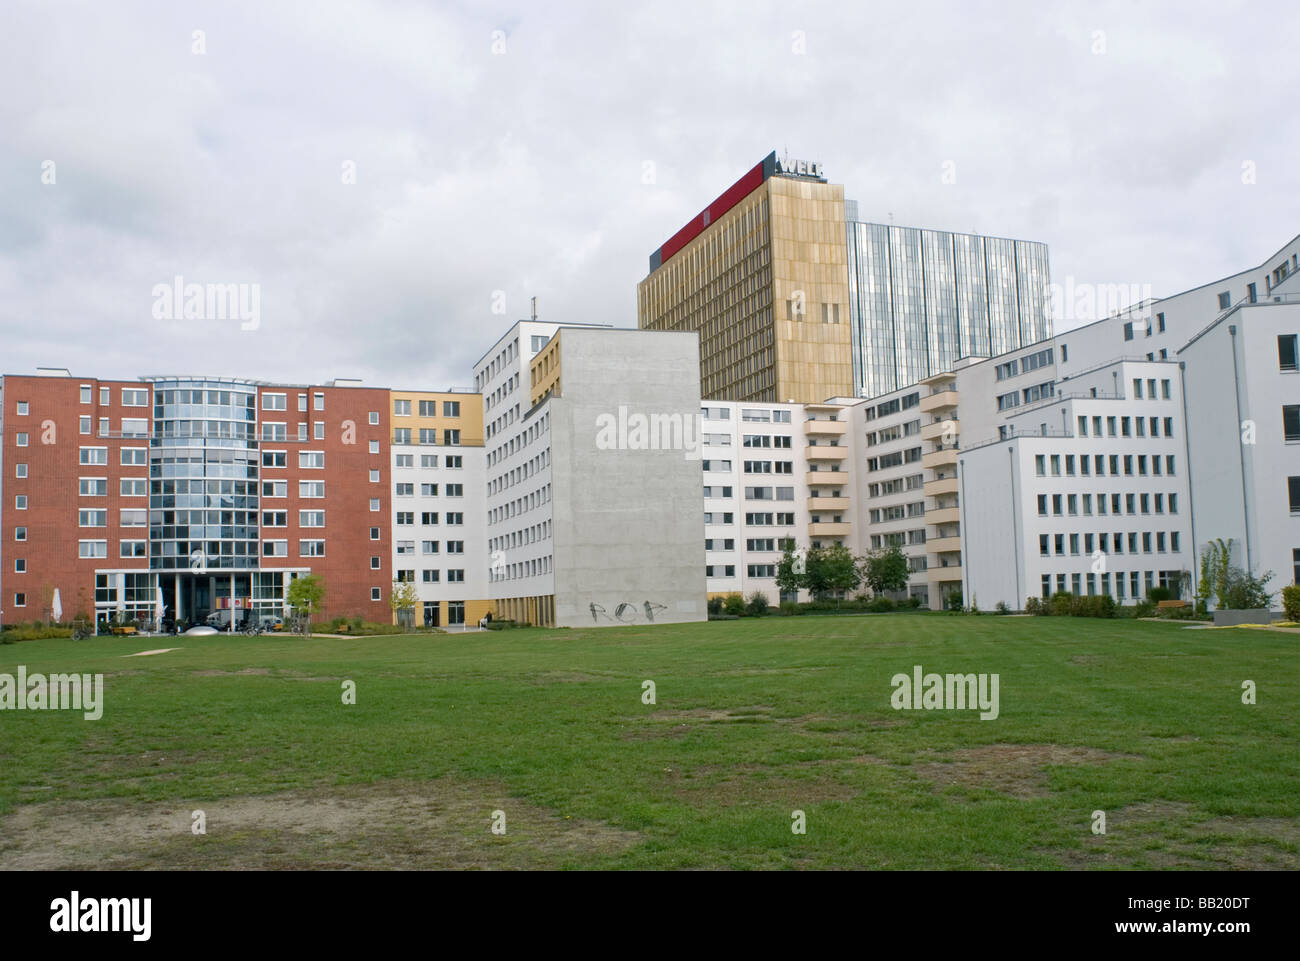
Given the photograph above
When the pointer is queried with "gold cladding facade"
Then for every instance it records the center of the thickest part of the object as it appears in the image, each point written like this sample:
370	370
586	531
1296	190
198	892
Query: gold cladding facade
766	289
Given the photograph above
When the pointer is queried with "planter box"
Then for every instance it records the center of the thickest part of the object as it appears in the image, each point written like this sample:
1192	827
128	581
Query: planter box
1230	618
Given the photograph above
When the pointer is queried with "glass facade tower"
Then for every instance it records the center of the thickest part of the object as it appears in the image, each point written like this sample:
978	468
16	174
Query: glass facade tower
203	475
920	300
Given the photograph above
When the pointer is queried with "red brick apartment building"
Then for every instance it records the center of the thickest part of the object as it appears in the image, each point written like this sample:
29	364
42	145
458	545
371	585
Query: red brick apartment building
119	493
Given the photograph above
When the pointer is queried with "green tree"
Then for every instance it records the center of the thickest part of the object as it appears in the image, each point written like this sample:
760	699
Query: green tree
790	571
830	570
403	600
305	596
885	569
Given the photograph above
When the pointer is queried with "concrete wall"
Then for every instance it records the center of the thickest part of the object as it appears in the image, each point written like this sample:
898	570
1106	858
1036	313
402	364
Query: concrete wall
629	526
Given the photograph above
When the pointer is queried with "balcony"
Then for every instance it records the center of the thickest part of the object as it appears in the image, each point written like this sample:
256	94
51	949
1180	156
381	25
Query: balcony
943	515
940	458
825	428
829	529
936	488
826	452
939	574
939	400
827	478
818	504
938	429
942	545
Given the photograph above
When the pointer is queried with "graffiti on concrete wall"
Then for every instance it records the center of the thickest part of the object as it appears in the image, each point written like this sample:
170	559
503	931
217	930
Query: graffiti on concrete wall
626	612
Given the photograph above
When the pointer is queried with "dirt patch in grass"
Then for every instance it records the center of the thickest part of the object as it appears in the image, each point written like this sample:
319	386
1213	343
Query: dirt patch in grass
751	785
758	712
245	672
440	824
1019	770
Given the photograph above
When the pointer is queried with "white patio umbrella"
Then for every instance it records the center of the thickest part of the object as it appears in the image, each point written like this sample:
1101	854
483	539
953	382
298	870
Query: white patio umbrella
57	607
159	609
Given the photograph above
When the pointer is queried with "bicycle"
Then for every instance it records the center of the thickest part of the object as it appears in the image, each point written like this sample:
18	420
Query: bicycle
80	631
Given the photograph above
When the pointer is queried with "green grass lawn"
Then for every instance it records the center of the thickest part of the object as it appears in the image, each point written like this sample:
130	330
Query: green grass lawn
754	720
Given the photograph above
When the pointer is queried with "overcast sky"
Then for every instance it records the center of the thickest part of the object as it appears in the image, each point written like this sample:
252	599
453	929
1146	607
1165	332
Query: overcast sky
501	151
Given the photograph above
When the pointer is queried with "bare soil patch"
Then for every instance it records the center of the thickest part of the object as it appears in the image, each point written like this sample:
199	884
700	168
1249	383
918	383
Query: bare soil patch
440	824
1019	770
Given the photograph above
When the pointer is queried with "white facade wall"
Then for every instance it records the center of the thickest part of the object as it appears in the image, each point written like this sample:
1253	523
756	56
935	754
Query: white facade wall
1058	499
440	550
1242	462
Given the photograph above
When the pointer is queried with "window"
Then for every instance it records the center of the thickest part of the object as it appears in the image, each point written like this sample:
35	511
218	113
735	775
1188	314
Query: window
134	518
275	401
20	565
20	533
21	439
428	518
431	460
302	402
85	393
318	401
311	548
404	490
455	576
428	436
20	470
84	424
23	408
375	594
275	488
104	397
274	432
374	477
92	518
1128	330
374	418
134	457
451	438
311	518
275	548
1293	489
274	458
134	397
1286	352
1291	422
1225	300
430	575
275	518
374	533
454	461
311	460
455	490
451	408
401	435
455	518
318	430
86	549
401	408
374	504
311	488
133	549
405	518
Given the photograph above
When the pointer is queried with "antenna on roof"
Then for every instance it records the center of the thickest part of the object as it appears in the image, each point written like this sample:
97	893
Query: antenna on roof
534	308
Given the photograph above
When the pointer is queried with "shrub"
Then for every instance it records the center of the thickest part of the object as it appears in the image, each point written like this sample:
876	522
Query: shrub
1159	594
1034	606
1061	603
1143	609
1002	608
789	608
1245	592
1291	602
912	602
715	605
880	604
757	604
734	605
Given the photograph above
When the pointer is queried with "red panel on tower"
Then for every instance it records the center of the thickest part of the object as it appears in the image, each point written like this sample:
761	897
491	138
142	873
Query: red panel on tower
733	195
